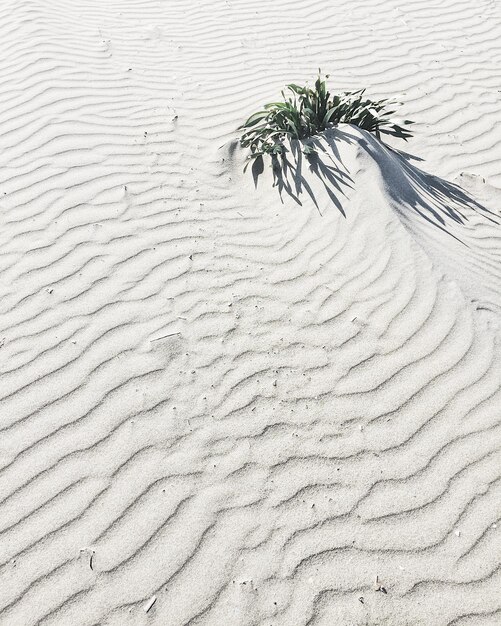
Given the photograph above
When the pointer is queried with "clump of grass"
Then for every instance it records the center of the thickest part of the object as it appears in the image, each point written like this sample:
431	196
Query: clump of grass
307	111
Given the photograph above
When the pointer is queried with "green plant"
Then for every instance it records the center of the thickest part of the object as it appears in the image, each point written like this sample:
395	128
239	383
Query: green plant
306	112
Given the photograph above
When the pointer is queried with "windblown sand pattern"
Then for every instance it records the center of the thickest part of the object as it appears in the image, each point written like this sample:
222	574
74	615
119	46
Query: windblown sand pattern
220	406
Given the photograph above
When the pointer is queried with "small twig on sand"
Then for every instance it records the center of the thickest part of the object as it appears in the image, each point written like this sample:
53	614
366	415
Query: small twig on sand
165	336
378	586
91	553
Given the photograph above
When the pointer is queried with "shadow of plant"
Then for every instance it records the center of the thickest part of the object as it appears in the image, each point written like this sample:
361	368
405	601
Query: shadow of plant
291	168
435	200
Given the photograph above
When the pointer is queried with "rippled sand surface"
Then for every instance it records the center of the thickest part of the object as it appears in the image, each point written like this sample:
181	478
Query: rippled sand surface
225	402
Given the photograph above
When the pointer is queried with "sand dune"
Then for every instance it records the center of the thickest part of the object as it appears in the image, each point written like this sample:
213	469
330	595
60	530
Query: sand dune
228	398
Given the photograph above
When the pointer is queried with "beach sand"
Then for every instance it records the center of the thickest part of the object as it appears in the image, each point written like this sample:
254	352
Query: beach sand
226	401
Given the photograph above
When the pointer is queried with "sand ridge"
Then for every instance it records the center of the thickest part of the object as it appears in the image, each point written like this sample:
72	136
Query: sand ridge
219	405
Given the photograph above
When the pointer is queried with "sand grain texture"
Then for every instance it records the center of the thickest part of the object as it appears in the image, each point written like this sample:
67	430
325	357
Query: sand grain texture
218	405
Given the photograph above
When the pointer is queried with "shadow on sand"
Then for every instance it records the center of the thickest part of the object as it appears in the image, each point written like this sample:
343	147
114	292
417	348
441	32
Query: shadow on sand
434	199
289	171
439	202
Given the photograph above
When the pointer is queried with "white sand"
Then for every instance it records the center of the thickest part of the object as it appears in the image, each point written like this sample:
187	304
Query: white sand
218	407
